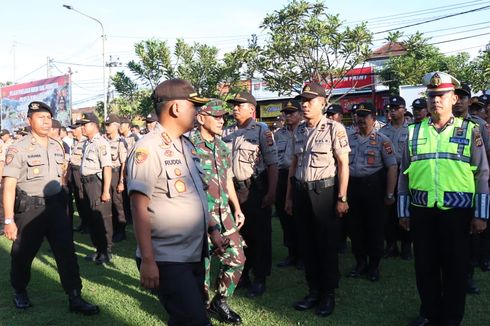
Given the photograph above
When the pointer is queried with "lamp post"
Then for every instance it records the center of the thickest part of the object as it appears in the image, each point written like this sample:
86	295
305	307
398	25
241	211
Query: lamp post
103	54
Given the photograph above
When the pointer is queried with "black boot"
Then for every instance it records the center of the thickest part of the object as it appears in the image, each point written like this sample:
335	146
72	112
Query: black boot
220	308
21	300
77	304
373	269
360	268
326	305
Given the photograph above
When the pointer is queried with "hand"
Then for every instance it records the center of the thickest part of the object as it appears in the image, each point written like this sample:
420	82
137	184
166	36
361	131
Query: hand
478	226
10	231
105	197
219	242
268	200
120	187
240	219
404	223
389	202
341	208
149	274
288	207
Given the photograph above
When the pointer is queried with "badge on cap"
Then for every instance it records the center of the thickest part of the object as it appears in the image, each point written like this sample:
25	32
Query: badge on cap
417	102
35	106
436	80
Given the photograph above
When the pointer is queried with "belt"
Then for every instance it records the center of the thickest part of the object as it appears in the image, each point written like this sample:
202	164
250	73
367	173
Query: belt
239	185
75	167
315	185
89	178
41	201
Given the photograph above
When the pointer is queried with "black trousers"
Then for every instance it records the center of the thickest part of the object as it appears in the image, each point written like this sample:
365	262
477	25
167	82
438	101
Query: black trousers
318	229
50	221
393	231
181	292
118	213
76	189
257	232
100	218
367	215
441	246
290	236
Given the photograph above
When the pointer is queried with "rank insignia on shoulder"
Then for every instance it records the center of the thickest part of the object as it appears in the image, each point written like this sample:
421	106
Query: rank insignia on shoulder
387	147
166	138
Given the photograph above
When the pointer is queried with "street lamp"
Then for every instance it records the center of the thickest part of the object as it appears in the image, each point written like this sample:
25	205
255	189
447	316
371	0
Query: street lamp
103	54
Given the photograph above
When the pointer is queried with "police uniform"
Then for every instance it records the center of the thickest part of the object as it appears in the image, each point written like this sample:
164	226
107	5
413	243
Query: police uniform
216	162
167	172
96	156
3	150
284	142
393	232
118	157
369	158
443	187
253	150
40	210
129	141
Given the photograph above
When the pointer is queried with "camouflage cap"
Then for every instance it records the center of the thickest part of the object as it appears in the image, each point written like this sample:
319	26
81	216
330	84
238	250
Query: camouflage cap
213	108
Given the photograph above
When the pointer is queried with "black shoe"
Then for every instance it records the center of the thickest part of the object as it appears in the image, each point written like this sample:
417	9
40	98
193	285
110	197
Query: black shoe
420	321
485	265
21	300
92	257
77	304
358	271
244	282
308	302
287	262
374	275
391	251
471	287
220	307
325	306
103	259
256	289
406	253
119	236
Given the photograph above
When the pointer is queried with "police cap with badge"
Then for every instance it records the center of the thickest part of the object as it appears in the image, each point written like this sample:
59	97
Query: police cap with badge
333	109
38	106
290	107
87	118
439	83
419	104
364	109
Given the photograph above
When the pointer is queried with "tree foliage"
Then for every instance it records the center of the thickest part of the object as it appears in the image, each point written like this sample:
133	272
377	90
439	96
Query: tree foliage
306	43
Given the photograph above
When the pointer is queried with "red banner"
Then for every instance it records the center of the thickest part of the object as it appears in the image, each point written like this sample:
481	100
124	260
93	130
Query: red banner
53	91
354	79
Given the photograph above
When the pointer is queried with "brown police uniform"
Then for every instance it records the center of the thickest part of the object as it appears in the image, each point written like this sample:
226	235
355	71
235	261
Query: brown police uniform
314	200
253	149
96	156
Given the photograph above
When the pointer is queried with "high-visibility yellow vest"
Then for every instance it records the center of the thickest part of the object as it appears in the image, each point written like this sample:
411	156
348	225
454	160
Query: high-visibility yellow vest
440	174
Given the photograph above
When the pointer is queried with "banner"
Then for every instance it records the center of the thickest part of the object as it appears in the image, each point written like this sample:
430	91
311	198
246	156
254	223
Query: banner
270	110
15	99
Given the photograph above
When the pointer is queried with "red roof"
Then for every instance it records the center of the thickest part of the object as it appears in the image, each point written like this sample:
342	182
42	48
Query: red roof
388	50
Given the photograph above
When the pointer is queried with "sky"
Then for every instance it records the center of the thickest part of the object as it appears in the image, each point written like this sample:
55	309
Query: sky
33	30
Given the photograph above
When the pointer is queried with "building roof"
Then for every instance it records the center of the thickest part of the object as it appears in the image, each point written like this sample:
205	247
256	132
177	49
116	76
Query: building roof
390	49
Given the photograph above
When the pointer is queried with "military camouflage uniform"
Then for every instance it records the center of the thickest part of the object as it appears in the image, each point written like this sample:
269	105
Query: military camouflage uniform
216	163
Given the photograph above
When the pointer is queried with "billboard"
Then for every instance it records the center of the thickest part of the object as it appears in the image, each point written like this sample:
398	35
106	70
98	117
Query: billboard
54	91
270	110
355	80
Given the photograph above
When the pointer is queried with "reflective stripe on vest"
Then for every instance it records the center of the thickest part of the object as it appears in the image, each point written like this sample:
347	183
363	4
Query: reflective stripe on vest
440	174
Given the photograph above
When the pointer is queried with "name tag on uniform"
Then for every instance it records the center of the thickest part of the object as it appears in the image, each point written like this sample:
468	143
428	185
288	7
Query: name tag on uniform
460	141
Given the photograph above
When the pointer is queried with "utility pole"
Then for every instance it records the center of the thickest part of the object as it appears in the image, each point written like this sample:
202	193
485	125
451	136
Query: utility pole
110	64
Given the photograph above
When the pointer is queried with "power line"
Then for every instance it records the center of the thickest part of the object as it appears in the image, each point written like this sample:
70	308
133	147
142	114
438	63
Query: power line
459	39
435	19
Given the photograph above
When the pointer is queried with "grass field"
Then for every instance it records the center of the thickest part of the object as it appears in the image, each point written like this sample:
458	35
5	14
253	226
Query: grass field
115	288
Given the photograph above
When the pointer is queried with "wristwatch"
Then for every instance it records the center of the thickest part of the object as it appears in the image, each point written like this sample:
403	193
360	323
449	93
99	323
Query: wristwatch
8	221
342	199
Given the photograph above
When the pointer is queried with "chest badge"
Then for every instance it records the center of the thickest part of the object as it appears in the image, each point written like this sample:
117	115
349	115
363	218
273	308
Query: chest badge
180	186
169	153
177	172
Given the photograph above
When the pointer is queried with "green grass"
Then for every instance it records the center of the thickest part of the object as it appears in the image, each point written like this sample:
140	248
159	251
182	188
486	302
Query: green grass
391	301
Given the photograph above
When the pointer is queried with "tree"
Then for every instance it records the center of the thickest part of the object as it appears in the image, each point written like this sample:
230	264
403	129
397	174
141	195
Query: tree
305	44
481	72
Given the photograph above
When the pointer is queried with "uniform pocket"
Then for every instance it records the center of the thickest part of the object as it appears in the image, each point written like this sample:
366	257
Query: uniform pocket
371	156
248	152
35	169
176	181
320	156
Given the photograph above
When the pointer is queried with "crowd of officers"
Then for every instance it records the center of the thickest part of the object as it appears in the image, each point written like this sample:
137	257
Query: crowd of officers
195	188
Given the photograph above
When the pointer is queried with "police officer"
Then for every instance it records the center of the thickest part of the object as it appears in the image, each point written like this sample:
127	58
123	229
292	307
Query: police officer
118	156
96	171
320	149
35	207
75	178
151	121
5	142
170	207
130	139
255	175
353	126
284	142
397	132
216	163
419	109
335	112
372	180
443	196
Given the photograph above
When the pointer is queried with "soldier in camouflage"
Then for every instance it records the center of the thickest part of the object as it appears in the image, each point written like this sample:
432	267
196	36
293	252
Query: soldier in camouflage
216	163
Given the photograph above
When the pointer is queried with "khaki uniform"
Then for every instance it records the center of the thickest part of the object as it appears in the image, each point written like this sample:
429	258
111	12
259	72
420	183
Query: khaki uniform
167	172
252	150
96	156
4	146
314	199
398	137
40	211
75	181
